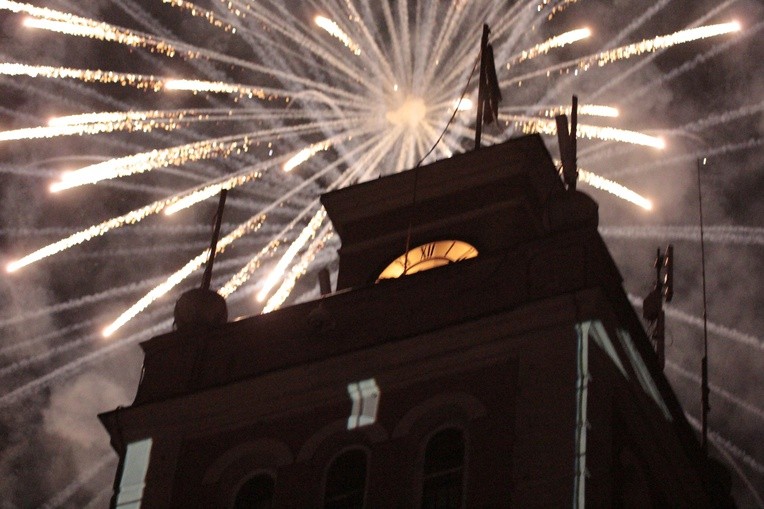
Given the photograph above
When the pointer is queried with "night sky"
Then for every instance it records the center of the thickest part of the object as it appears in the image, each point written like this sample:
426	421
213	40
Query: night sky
57	371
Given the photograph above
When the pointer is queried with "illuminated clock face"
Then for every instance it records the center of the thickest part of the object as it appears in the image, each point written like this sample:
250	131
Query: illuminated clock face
428	256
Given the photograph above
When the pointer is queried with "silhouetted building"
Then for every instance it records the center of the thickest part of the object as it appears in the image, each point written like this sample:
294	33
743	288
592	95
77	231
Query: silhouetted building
513	373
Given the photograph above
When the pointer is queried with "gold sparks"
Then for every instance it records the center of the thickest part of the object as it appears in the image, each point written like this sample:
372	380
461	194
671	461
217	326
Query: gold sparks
246	272
556	8
87	234
549	127
630	50
146	161
67	23
334	30
199	12
139	81
661	42
217	87
95	123
592	110
555	42
87	75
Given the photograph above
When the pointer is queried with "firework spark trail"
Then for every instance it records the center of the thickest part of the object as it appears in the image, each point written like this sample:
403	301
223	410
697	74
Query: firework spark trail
614	188
53	351
152	82
207	149
558	41
79	237
43	338
31	133
673	161
378	59
176	278
106	349
283	22
305	154
197	11
713	328
638	22
610	84
395	44
426	26
18	394
87	300
742	235
286	259
243	275
719	118
248	174
292	33
625	52
136	252
592	110
335	31
67	23
549	127
461	51
65	494
85	75
141	120
288	283
715	389
692	64
298	270
79	89
100	31
131	217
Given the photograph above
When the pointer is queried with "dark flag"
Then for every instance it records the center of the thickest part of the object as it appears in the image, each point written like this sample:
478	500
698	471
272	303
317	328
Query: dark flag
489	94
492	97
567	141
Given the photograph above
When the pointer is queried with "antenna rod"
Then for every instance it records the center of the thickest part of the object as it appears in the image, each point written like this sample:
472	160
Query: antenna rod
481	86
704	391
207	278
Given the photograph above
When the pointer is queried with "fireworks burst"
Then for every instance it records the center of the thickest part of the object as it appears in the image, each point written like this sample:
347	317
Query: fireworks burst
280	104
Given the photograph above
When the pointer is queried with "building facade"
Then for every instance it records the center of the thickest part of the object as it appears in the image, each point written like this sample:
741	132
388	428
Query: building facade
478	351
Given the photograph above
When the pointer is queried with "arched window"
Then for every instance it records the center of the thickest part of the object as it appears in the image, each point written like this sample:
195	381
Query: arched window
346	481
255	493
443	470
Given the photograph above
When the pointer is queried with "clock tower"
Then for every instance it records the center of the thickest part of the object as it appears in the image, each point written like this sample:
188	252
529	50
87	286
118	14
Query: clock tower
478	351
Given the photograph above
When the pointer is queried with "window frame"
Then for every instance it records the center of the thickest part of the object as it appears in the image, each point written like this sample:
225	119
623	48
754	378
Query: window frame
421	463
346	450
252	475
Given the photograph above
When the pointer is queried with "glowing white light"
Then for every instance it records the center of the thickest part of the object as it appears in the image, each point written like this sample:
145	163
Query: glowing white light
409	114
278	272
465	104
615	189
217	87
305	154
